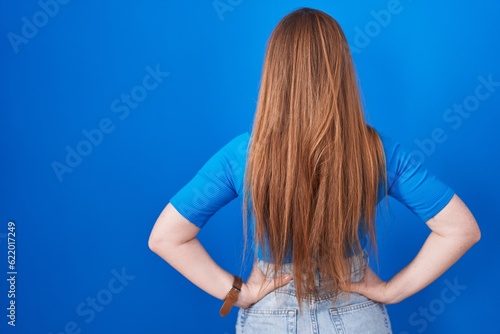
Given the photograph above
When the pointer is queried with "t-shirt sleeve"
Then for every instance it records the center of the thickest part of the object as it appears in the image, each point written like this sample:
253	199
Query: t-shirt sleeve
213	186
412	184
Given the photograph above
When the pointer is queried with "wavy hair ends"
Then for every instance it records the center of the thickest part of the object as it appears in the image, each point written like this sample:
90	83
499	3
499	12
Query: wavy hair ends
314	166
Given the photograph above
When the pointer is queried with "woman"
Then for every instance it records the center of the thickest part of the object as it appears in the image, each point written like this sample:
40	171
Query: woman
311	175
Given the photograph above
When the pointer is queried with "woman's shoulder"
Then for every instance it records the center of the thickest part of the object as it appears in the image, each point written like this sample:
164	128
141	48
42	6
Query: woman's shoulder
395	152
389	143
399	159
237	147
231	160
240	142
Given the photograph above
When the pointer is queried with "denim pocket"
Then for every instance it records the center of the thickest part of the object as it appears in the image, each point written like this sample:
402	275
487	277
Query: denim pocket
368	317
253	321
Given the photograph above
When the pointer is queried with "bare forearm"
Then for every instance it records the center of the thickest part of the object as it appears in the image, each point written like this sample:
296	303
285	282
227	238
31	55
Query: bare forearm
436	256
192	261
173	238
454	231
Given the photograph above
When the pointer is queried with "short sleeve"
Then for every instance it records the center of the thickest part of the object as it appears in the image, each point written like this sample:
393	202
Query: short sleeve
217	183
412	184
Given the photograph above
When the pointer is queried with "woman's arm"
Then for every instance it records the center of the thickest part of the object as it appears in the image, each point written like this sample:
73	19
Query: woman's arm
173	238
454	231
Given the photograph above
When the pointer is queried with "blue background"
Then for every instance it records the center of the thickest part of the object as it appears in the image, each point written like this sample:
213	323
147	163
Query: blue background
77	232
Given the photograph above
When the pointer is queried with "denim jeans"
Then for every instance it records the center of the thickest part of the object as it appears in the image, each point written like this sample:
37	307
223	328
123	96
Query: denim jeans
278	312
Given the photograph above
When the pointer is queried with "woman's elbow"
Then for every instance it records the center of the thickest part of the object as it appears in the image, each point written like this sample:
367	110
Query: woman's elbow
457	222
159	239
154	242
471	234
475	234
170	231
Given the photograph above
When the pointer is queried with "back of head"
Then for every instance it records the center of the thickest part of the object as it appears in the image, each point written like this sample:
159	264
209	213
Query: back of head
314	165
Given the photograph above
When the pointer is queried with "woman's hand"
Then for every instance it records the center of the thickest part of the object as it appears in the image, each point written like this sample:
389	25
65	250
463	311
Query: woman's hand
372	287
258	286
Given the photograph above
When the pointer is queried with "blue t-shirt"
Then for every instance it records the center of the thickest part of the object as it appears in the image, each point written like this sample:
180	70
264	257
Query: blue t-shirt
220	181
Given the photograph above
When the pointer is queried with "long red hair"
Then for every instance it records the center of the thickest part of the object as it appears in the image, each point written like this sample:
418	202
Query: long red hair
314	166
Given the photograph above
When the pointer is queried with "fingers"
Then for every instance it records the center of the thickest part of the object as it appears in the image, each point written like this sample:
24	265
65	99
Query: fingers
370	286
261	285
358	287
353	287
282	280
276	283
256	275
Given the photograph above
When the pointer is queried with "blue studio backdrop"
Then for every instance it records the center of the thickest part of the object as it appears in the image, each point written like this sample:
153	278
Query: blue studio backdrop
109	107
